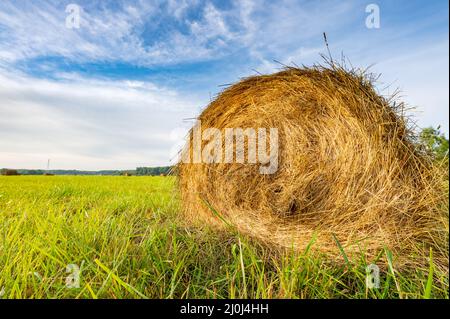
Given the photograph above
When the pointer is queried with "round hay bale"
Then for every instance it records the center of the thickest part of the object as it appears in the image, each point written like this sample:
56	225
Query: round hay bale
347	169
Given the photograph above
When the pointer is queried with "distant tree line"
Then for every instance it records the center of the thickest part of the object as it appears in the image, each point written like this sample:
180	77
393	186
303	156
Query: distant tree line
153	171
68	172
140	171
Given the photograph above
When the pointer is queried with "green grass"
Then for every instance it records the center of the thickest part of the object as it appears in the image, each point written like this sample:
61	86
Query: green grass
127	237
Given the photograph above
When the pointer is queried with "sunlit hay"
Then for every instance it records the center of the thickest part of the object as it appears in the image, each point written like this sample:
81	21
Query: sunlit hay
348	169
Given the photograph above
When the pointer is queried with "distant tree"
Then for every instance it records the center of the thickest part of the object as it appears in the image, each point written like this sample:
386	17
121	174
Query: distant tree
6	171
153	171
435	142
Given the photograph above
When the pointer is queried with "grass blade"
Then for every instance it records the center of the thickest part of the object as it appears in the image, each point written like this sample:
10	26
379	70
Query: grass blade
391	269
429	286
216	213
241	259
344	255
128	287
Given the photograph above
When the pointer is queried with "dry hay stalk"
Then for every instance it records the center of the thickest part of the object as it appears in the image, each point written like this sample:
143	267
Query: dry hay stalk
348	167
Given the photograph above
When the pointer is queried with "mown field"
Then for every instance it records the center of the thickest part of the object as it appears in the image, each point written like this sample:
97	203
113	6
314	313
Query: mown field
127	239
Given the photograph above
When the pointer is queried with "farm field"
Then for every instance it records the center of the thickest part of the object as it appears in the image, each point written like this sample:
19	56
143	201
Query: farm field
127	238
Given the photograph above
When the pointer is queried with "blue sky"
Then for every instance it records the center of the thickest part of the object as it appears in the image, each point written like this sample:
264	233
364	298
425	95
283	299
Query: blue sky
115	92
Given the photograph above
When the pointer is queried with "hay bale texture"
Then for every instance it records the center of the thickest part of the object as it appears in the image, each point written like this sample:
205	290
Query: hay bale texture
348	168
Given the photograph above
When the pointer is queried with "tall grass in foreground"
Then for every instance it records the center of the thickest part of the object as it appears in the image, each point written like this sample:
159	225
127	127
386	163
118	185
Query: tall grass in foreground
129	242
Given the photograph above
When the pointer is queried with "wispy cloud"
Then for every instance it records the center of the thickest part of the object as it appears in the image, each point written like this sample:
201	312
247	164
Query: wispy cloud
139	32
109	124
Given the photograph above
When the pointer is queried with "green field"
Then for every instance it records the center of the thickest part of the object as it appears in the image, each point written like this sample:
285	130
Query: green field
127	238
